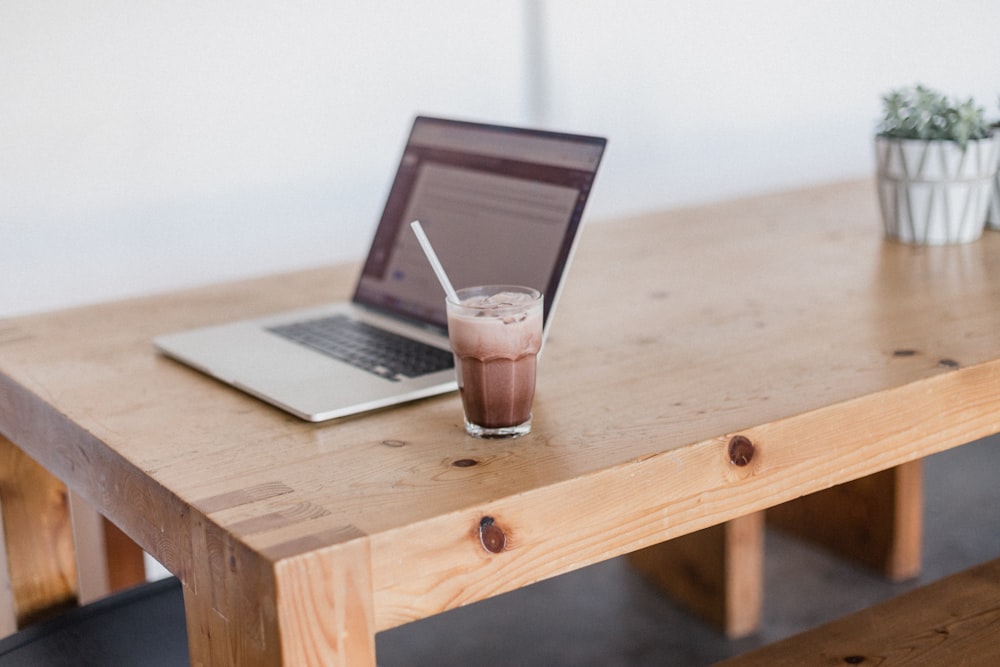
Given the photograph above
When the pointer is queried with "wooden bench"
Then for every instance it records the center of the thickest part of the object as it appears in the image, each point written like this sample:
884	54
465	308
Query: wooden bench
954	621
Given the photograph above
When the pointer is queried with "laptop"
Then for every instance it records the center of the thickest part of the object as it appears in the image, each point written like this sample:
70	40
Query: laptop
500	205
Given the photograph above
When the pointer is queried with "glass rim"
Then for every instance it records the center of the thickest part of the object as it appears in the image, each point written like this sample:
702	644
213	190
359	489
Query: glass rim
474	290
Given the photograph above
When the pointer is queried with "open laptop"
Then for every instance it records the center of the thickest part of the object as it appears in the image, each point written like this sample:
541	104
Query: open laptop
500	205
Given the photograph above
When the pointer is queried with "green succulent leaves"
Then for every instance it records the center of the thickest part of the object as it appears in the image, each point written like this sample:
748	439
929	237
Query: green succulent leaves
918	112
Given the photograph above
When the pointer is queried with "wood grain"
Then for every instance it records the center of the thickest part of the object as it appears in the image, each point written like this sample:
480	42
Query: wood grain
716	572
784	318
106	559
38	536
876	520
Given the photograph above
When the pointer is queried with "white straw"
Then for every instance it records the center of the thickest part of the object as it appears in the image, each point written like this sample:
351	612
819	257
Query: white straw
433	259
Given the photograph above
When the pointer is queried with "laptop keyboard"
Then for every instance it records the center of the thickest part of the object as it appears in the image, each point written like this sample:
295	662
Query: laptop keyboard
369	348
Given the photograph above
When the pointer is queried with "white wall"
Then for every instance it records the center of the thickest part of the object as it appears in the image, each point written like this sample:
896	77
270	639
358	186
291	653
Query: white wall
151	145
712	98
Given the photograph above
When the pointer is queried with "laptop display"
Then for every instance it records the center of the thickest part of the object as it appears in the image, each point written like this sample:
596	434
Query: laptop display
499	205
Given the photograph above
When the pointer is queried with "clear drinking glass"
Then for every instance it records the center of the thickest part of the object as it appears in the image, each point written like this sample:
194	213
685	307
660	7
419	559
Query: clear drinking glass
495	333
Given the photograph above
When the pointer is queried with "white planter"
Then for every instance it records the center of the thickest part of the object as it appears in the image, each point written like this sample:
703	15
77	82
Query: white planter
933	192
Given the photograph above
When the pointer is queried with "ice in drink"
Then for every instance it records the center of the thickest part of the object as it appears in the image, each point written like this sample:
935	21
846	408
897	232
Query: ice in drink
495	333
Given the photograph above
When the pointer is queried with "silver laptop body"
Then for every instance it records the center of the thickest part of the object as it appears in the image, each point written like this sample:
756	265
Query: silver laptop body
500	205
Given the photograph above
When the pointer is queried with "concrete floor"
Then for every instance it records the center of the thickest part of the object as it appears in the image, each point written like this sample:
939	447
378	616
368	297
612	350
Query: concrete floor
606	616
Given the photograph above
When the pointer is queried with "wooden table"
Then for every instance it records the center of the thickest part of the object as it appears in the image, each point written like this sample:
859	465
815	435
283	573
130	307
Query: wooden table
704	364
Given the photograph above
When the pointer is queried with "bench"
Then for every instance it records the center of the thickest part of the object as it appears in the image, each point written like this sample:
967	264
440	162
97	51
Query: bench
953	621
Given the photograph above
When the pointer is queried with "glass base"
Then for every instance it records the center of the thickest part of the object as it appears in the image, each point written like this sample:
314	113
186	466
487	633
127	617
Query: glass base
515	431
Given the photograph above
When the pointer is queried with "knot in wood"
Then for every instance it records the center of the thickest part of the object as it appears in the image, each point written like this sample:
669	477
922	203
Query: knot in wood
740	450
491	535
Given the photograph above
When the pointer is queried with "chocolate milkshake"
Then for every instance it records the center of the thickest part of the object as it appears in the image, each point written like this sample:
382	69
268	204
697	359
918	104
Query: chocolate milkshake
495	333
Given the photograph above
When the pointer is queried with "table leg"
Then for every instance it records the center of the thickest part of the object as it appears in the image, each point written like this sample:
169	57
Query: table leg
107	560
876	521
8	608
717	573
58	552
41	567
279	609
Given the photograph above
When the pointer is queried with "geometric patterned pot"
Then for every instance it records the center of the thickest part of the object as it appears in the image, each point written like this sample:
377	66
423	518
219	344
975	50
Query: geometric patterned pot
932	192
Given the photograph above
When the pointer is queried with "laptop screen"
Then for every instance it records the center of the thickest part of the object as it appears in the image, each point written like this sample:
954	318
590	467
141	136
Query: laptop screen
500	205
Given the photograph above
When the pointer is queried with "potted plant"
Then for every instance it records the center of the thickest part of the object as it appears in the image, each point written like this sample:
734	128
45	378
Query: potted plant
937	160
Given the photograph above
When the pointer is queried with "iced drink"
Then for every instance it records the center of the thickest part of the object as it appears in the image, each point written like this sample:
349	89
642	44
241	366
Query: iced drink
495	333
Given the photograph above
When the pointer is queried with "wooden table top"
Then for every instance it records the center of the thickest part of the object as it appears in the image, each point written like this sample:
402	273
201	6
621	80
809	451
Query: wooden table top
785	319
